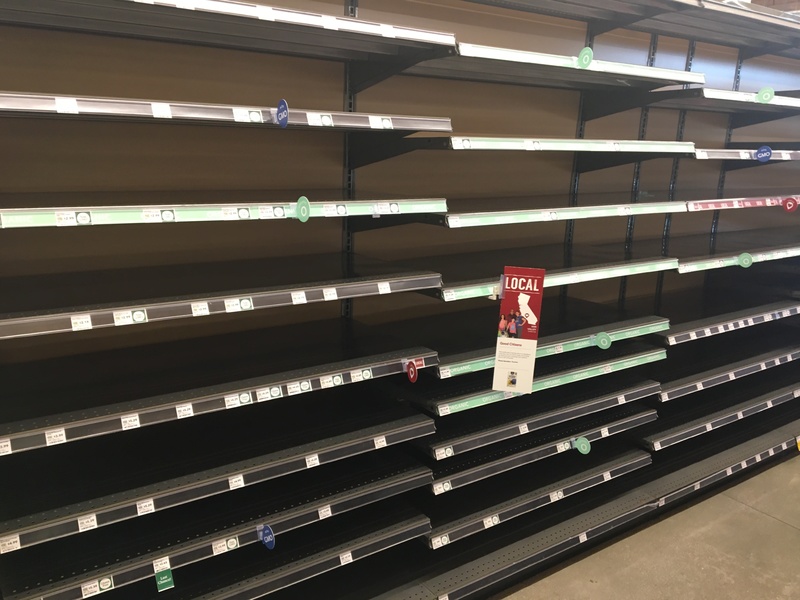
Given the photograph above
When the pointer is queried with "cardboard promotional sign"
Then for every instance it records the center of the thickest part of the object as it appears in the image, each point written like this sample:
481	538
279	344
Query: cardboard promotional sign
518	329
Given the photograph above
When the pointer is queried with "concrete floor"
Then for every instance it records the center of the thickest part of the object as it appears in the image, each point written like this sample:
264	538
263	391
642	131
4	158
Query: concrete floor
741	544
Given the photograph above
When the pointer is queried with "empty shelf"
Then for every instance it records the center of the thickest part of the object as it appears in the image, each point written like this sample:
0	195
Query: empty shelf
132	297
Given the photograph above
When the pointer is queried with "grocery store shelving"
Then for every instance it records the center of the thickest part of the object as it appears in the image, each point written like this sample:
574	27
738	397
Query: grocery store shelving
375	50
82	301
454	472
745	158
475	62
304	499
91	405
311	433
77	210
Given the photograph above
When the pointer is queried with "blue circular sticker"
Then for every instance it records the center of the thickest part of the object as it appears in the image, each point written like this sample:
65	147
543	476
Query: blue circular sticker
267	537
763	154
283	113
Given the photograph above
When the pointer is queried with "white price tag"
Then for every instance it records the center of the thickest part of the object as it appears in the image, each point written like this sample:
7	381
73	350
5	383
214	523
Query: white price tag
444	373
87	522
161	564
235	482
453	221
356	376
582	538
606	476
55	437
145	507
796	393
607	369
223	546
559	348
657	446
604	432
233	305
151	215
556	496
743	464
330	294
378	122
67	106
523	429
130	422
440	453
326	382
696	486
312	461
325	512
314	119
709	427
384	288
5	447
329	210
769	403
232	401
438	542
89	589
182	411
661	502
123	317
728	471
299	297
81	322
161	110
563	447
294	388
9	544
621	399
268	212
438	488
66	219
491	521
739	415
200	309
449	295
380	442
346	558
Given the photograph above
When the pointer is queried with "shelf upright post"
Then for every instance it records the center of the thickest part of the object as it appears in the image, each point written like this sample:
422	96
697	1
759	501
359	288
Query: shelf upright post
637	171
737	79
349	178
575	181
673	183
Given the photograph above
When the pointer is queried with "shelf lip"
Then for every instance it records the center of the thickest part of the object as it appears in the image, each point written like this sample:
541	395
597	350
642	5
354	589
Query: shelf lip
79	216
460	444
718	324
483	288
735	203
169	111
676	435
670	390
121	315
571	62
451	406
31	529
203	548
32	434
519	556
744	259
744	155
743	101
528	502
472	362
568	145
447	482
545	215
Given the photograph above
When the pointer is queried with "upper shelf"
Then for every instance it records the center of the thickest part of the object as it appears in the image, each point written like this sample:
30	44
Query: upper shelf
756	29
503	65
118	208
748	108
165	112
376	50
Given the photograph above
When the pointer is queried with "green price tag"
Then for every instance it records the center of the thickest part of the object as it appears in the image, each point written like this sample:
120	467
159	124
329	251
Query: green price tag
164	580
303	209
585	57
582	445
765	95
745	260
603	341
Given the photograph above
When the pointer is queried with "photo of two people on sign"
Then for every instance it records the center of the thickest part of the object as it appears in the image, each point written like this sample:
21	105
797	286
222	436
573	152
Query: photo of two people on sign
511	326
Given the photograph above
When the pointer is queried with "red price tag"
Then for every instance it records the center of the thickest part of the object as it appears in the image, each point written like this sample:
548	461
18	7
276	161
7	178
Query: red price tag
790	204
411	371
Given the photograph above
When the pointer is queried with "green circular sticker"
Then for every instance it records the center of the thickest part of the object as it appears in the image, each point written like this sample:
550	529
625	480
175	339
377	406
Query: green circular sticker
602	340
582	445
745	260
585	57
765	95
303	209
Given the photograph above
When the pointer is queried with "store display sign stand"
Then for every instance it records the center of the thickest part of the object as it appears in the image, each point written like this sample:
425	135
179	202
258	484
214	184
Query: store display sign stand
521	291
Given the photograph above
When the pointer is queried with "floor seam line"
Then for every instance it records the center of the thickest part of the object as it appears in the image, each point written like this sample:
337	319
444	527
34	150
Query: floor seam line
795	527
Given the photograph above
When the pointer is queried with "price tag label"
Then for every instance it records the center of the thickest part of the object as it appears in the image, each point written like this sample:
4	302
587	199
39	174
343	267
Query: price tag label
384	288
235	482
89	589
444	373
66	219
380	442
233	305
356	376
326	382
769	403
346	558
130	422
729	471
523	429
151	215
441	453
325	512
299	297
55	437
200	309
604	432
312	461
620	399
556	496
9	544
330	210
330	294
161	564
81	322
232	401
563	447
161	110
182	411
657	446
440	541
222	546
438	488
582	538
294	388
145	507
378	122
87	523
67	106
491	521
607	369
5	447
449	295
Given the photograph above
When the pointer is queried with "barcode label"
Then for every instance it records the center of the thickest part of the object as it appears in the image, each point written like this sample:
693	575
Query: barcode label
87	523
81	322
312	461
130	422
440	453
523	429
326	382
233	305
5	447
235	482
444	410
380	442
582	538
563	447
556	496
449	295
604	432
384	288
183	411
491	521
9	544
161	564
200	309
620	399
161	110
330	294
325	512
299	297
346	558
55	437
145	507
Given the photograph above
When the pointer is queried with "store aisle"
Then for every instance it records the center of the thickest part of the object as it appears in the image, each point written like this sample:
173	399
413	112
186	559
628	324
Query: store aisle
741	544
